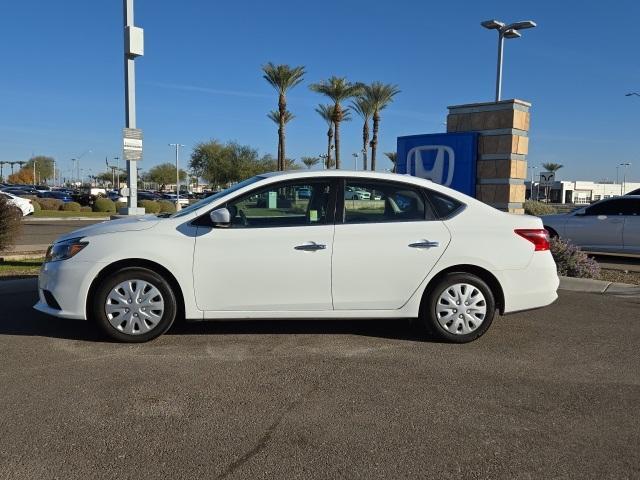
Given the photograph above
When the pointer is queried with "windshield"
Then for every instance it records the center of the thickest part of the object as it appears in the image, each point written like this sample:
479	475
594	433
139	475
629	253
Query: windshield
215	196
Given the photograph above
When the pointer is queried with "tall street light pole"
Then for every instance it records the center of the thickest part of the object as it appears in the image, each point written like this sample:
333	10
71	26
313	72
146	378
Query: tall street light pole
133	47
355	161
177	145
505	31
531	192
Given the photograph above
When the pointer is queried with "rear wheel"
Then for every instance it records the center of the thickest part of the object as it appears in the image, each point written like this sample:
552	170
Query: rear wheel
134	305
460	308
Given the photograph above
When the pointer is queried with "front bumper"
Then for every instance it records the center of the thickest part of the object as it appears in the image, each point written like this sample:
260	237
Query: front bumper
68	282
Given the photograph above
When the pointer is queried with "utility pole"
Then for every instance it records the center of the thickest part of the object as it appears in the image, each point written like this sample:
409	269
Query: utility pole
355	161
133	47
177	145
34	173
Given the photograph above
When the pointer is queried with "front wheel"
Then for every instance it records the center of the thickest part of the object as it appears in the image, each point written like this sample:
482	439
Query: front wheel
459	309
134	305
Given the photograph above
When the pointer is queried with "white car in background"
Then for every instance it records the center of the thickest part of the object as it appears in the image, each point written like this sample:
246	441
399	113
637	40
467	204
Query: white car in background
351	193
608	226
24	205
253	251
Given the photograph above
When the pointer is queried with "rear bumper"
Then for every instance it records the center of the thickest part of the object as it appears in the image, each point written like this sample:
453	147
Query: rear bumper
533	287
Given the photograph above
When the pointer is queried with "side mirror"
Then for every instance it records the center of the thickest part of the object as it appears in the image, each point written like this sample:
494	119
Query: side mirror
220	218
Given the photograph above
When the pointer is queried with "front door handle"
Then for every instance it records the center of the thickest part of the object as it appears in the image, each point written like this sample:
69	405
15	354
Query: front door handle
310	247
424	244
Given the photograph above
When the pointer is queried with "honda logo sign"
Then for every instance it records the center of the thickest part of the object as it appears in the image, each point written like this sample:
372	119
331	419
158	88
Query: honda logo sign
445	158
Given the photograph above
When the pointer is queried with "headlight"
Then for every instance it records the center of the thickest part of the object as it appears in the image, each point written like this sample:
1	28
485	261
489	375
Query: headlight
65	249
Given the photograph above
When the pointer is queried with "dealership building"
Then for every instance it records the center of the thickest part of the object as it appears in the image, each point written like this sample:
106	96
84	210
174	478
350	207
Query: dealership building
579	192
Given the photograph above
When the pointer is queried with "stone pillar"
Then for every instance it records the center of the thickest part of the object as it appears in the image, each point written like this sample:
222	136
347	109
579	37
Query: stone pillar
503	144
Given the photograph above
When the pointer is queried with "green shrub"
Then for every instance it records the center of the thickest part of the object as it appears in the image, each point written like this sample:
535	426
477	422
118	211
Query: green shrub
120	205
167	207
150	206
31	197
104	205
36	205
85	209
50	203
531	207
571	261
10	223
70	207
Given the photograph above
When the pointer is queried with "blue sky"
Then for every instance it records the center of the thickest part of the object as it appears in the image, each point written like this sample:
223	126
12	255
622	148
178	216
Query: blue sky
61	88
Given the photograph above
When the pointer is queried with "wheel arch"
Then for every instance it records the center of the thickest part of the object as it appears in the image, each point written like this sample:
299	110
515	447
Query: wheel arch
139	263
480	272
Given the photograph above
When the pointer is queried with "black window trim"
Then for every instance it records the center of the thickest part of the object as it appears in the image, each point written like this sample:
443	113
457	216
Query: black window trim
340	210
204	220
428	193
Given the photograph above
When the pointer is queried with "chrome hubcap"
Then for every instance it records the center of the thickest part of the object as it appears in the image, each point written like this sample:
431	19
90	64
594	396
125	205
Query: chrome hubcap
461	308
134	307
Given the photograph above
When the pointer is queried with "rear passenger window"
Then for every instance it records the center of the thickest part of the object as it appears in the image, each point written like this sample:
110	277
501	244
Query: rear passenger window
376	202
444	205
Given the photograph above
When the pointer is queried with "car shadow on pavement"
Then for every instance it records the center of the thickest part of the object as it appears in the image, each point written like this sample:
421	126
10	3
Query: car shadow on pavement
396	329
17	317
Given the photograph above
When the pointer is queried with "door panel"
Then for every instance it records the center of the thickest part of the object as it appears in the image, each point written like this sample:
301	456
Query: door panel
275	255
596	232
261	269
375	268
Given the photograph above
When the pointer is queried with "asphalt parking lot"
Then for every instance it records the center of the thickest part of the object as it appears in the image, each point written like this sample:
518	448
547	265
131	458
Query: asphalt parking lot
548	394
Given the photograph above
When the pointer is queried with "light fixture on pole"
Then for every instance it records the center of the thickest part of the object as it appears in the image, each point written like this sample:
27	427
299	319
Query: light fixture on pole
624	176
177	145
505	31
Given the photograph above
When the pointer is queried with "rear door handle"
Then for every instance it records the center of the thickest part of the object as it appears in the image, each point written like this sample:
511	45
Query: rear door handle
310	247
424	244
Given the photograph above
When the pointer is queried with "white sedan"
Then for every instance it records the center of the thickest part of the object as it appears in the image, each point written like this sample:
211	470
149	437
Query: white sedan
24	205
254	251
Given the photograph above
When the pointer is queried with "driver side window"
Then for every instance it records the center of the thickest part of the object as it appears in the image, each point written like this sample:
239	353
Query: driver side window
292	204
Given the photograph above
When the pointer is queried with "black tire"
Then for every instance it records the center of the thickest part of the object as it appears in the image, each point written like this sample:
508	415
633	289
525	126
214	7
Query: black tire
99	316
429	316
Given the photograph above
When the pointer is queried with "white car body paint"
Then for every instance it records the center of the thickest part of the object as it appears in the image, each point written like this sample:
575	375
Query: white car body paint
257	273
25	206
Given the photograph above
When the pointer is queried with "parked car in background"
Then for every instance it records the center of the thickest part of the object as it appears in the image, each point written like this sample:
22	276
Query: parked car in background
608	226
438	255
351	193
144	195
24	205
19	192
304	193
173	198
115	196
65	197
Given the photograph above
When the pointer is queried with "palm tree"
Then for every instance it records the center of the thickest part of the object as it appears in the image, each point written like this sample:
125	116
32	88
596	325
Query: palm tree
310	161
339	90
552	167
274	115
363	107
326	112
393	156
380	95
282	78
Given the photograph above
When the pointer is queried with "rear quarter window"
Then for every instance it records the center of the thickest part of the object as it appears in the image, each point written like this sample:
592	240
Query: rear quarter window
443	205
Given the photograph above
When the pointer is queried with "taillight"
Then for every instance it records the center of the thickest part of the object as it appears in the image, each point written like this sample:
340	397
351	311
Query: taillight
538	236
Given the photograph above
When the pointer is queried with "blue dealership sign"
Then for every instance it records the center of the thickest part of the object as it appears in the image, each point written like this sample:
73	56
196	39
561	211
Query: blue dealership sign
445	158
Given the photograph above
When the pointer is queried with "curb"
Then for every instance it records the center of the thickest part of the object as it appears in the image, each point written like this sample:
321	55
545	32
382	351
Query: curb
602	287
63	219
